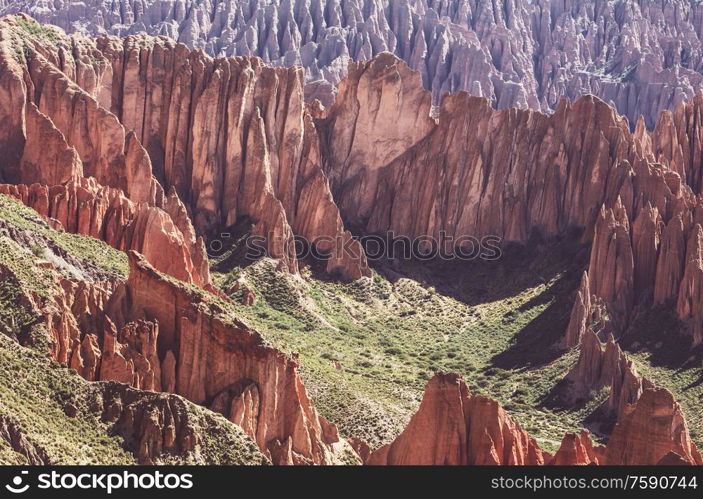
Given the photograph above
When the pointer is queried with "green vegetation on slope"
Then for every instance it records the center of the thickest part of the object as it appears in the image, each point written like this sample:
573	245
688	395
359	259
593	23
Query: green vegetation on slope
368	348
34	395
95	252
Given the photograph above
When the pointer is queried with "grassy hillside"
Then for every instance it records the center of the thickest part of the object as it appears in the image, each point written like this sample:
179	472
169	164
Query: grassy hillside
368	348
94	254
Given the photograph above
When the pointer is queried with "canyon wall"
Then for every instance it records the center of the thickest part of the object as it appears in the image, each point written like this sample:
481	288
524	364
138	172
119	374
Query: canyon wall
154	333
513	173
230	138
505	173
214	360
94	134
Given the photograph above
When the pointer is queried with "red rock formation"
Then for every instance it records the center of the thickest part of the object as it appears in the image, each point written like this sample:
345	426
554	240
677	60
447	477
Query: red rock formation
149	430
640	264
690	300
650	424
512	172
155	426
611	276
670	264
578	450
155	334
677	141
75	309
456	428
63	135
453	427
381	111
47	158
213	359
598	367
230	136
130	356
108	152
581	314
649	430
234	139
646	241
502	173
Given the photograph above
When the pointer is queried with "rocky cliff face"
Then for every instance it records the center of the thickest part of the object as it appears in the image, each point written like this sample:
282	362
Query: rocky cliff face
231	138
516	53
504	173
217	361
244	146
655	260
156	427
150	332
512	173
46	112
155	334
234	139
123	122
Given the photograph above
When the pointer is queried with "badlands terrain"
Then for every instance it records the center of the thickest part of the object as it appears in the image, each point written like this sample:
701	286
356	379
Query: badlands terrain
639	56
134	331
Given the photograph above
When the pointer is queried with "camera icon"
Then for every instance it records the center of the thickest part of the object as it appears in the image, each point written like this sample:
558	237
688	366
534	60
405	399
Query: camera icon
16	487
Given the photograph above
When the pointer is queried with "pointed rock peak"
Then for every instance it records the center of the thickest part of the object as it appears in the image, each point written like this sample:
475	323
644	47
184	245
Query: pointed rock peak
581	314
578	450
649	430
649	214
640	128
454	427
